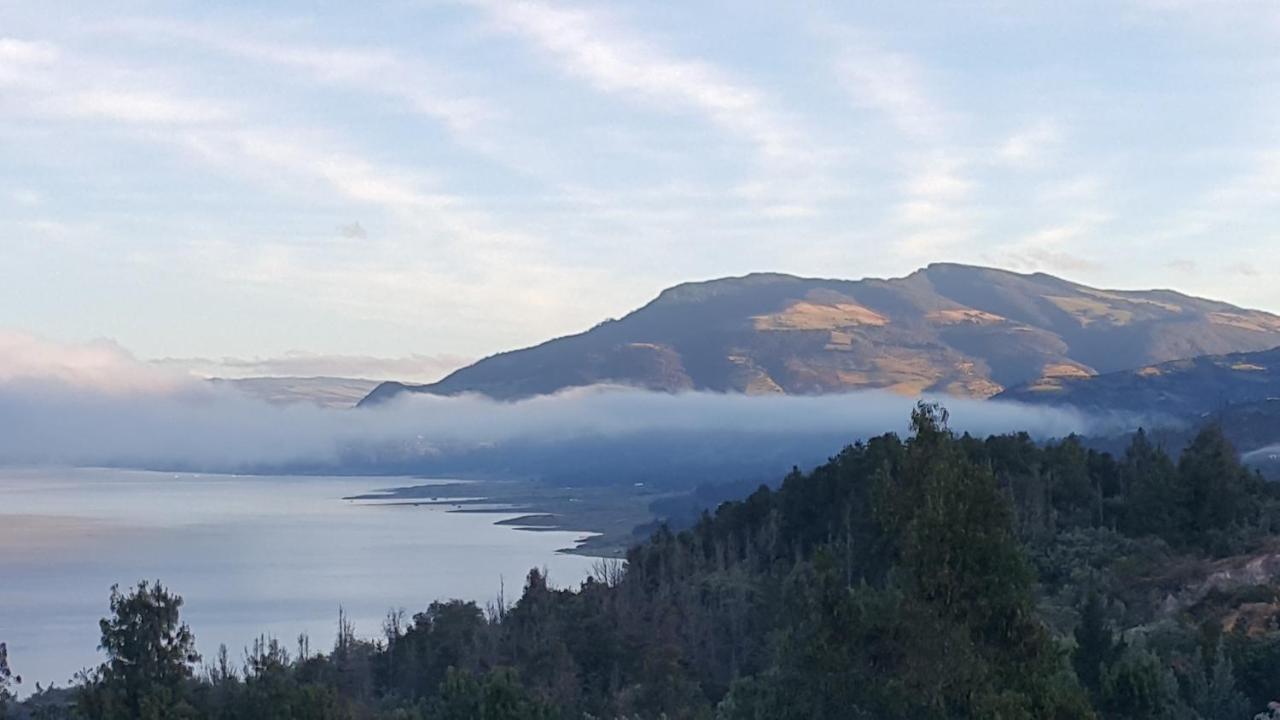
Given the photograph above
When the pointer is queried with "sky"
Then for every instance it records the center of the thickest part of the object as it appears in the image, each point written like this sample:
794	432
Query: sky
364	185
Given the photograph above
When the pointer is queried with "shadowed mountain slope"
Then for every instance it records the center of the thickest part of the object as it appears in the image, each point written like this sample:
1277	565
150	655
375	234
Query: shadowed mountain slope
1192	387
948	328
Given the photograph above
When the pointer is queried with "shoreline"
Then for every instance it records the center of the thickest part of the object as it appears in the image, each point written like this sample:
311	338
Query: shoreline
609	514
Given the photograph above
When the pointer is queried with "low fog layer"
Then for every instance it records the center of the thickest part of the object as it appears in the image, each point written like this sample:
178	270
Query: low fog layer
96	405
1261	455
216	429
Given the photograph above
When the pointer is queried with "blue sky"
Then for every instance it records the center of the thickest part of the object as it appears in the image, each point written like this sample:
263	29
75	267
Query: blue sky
459	178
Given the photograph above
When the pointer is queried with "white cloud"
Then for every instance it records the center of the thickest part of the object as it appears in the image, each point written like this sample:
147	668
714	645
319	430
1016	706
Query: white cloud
788	211
892	84
1248	199
932	215
19	56
786	190
937	176
136	106
1078	228
47	81
1032	146
1045	259
484	299
291	160
586	46
26	197
349	175
101	365
1258	186
1230	17
377	71
1061	247
299	164
23	62
435	251
1076	190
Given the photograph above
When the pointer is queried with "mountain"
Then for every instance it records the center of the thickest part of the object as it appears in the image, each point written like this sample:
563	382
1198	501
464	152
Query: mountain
324	391
1191	387
947	328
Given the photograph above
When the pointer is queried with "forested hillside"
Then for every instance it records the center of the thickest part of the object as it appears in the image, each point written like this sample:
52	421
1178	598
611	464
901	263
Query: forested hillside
940	576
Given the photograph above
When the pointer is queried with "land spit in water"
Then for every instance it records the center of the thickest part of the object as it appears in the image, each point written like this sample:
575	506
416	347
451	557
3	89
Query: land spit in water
615	517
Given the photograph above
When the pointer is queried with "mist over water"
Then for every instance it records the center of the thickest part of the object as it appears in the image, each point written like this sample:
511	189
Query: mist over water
95	404
217	429
1267	454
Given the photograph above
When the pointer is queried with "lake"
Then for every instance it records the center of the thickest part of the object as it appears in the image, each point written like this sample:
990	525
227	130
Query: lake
250	555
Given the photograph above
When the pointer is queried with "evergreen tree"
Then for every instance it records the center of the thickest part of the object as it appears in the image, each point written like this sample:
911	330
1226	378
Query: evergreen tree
1214	484
150	655
1138	687
954	533
1155	505
1077	500
1095	647
276	688
496	696
1210	687
7	679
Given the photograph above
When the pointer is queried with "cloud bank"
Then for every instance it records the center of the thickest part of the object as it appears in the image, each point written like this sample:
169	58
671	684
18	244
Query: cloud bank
102	366
215	429
95	404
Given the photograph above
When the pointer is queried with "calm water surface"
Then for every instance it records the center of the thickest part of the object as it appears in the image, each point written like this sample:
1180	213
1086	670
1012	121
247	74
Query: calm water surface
250	555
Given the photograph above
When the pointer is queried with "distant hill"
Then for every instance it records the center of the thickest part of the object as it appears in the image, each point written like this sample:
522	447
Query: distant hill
948	328
323	391
1191	387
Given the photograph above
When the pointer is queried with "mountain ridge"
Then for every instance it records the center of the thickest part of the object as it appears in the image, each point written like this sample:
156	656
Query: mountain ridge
946	328
1190	387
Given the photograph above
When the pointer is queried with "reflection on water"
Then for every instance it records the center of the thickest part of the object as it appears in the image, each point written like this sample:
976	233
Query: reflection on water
251	555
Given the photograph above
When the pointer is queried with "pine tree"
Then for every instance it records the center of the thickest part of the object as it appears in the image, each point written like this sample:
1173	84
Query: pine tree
1095	646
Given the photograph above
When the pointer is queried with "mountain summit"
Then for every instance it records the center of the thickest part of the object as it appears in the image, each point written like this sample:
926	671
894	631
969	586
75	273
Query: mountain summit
947	328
